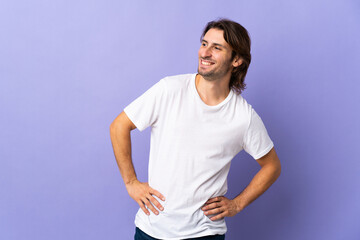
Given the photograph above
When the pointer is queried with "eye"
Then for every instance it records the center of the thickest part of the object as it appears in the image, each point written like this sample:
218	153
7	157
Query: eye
203	44
217	48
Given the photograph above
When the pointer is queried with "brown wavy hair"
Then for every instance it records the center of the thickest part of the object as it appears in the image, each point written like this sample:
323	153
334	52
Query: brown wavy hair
238	38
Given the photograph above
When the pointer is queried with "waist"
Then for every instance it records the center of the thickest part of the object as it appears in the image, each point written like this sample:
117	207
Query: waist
179	223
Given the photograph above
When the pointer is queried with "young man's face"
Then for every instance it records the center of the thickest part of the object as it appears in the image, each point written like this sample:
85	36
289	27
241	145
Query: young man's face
215	55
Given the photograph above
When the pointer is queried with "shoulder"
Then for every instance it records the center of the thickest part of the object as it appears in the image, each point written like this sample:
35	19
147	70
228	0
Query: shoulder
243	108
242	103
177	82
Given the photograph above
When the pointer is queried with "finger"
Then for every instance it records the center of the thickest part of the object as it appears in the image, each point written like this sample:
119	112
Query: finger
211	206
150	206
156	203
156	193
214	211
142	206
218	217
211	200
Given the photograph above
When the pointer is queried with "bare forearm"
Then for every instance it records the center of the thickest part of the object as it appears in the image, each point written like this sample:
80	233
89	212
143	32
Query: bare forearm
142	193
266	176
121	142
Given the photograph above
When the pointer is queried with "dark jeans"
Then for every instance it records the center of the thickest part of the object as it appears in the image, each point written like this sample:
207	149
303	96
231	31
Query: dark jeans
140	235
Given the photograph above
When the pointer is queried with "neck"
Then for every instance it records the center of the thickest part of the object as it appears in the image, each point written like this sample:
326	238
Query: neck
212	92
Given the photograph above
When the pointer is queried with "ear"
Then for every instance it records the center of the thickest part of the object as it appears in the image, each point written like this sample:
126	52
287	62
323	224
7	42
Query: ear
237	62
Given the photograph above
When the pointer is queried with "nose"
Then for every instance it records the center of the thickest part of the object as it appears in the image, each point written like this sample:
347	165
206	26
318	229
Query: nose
205	52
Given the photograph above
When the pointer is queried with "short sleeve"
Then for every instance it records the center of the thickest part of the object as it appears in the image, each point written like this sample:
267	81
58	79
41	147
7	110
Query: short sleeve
144	111
257	142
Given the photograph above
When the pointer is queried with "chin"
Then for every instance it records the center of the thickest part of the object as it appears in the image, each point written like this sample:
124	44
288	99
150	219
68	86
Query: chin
203	73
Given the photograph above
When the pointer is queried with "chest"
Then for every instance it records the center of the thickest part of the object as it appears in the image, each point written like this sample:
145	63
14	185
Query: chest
192	129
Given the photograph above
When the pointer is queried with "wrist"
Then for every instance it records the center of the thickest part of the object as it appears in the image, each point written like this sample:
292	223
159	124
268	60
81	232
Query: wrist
130	182
238	204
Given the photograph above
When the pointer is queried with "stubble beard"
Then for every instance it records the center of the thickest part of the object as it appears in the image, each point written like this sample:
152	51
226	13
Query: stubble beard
215	74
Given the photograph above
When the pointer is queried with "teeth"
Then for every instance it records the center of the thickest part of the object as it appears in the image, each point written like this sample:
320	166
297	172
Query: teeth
206	63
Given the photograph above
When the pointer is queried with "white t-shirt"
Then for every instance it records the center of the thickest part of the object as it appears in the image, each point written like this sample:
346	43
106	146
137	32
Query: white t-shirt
192	145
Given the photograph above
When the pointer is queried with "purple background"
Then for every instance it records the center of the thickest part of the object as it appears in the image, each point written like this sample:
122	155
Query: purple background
68	68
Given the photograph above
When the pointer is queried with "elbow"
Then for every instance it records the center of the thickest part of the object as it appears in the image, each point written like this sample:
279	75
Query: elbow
278	172
114	127
276	165
277	169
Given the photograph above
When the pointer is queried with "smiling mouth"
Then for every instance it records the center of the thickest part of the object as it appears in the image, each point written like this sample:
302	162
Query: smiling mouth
206	63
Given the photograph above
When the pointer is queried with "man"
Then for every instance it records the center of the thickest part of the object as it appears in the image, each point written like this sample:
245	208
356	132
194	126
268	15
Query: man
199	123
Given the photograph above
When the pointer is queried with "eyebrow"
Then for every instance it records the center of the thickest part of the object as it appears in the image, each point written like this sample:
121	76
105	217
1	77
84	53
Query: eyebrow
216	44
